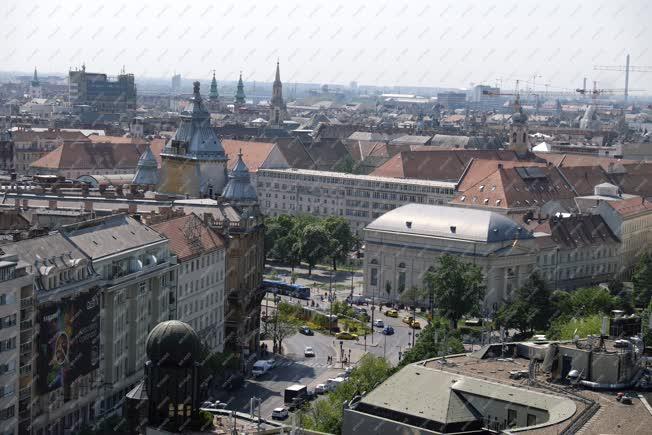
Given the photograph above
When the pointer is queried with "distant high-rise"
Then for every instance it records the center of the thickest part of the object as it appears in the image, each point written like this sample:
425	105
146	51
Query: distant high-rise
176	83
101	93
277	110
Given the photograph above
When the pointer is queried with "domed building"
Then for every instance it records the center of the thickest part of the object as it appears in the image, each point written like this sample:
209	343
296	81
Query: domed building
403	244
172	376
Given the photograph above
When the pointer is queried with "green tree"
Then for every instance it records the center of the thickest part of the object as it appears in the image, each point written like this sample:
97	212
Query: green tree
388	288
530	308
326	415
584	301
457	286
343	240
435	339
642	280
315	245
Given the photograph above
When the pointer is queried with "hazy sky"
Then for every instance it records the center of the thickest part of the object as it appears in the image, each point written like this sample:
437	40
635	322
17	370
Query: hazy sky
421	43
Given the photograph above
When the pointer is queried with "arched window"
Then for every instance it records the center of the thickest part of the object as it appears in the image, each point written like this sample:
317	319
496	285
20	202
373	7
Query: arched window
514	137
401	265
524	138
374	261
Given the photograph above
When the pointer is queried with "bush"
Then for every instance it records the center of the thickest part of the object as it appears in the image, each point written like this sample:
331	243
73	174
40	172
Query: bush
564	328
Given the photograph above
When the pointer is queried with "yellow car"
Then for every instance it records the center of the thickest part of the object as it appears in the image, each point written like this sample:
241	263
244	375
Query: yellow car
408	320
415	325
346	336
391	313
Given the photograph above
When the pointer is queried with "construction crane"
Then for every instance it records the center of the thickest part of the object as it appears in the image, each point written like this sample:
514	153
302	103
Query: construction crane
595	91
627	68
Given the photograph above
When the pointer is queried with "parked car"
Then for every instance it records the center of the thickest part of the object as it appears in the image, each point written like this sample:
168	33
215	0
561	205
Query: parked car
207	405
388	330
408	320
309	352
379	323
306	331
261	367
346	336
280	413
348	371
320	388
391	313
415	324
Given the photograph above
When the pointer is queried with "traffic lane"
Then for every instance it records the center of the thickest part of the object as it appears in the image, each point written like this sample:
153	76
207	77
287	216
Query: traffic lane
295	346
271	386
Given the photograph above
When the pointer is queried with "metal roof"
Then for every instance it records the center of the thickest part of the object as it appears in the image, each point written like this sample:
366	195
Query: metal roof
450	223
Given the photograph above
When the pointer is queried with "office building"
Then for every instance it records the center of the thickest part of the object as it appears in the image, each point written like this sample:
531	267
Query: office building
358	198
101	93
452	100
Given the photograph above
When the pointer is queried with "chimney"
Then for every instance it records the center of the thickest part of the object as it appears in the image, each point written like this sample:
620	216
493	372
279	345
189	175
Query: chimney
133	208
17	203
88	205
25	204
52	204
500	166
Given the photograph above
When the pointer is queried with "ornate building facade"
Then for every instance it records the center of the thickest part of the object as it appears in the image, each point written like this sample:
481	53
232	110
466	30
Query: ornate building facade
193	161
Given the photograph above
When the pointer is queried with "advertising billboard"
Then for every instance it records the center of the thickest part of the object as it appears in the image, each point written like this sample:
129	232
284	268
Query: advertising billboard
69	340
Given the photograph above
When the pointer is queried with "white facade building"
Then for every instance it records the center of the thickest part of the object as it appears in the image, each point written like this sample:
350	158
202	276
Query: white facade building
199	296
358	198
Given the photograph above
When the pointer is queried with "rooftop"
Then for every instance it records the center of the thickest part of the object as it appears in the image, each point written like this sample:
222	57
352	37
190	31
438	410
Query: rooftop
449	222
189	236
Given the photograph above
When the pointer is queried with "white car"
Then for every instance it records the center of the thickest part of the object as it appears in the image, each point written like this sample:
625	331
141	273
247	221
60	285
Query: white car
280	413
320	389
379	323
309	352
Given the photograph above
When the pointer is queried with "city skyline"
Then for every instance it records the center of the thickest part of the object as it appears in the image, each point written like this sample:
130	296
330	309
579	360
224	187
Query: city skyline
411	45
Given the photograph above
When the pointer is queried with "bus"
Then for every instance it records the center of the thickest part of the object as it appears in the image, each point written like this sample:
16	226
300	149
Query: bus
283	288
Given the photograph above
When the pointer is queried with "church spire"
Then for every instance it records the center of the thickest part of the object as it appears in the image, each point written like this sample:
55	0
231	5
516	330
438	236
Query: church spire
278	73
35	81
277	106
213	94
239	94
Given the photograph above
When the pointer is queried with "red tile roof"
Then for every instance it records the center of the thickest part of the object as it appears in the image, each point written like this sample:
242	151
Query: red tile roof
438	164
631	206
254	154
89	155
512	187
116	139
179	229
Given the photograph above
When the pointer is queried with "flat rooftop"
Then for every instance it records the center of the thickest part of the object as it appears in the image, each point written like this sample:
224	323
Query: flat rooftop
612	417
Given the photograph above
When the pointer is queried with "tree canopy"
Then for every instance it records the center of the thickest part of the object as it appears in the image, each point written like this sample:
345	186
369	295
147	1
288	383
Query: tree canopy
642	280
293	239
457	287
530	309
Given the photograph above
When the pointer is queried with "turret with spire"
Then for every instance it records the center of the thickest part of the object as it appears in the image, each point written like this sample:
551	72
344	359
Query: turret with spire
239	189
240	98
35	86
213	95
147	170
518	139
277	110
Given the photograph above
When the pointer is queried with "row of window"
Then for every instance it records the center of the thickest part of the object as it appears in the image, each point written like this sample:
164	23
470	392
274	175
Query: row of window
7	413
8	321
8	367
202	262
351	181
8	344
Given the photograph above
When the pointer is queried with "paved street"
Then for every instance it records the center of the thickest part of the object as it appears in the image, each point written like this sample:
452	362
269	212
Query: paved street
293	367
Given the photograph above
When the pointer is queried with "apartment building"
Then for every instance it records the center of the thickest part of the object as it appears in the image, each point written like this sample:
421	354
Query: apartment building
199	296
30	146
59	361
358	198
13	278
137	272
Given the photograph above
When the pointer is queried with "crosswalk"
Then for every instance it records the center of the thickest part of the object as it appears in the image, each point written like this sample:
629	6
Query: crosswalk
306	363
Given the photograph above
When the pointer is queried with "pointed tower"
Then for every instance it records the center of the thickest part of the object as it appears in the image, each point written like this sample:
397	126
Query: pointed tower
518	139
239	189
147	171
35	86
239	94
277	110
193	161
213	95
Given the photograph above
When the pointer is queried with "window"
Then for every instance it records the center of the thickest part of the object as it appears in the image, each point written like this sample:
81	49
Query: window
511	417
374	276
401	281
531	419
